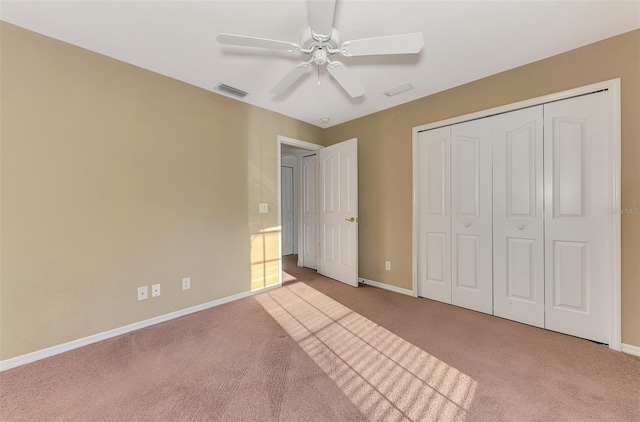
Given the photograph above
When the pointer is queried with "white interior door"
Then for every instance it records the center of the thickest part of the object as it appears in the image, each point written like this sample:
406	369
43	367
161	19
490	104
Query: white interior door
434	219
471	218
309	213
339	211
287	209
518	220
576	224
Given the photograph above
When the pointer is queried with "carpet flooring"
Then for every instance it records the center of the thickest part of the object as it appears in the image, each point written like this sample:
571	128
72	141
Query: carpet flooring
318	350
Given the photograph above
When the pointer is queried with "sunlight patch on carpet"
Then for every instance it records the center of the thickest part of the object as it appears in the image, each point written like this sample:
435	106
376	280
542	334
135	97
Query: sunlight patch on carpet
384	376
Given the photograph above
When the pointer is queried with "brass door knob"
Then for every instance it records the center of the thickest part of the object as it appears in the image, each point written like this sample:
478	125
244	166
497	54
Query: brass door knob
351	220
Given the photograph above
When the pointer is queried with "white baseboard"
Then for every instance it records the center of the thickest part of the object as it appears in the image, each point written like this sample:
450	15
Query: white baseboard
385	286
632	350
65	347
75	344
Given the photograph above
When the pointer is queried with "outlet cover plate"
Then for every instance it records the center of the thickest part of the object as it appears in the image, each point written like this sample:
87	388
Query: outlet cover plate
155	290
186	283
143	293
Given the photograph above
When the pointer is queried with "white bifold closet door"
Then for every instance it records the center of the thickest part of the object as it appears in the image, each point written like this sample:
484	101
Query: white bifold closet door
512	219
434	221
471	219
576	224
518	219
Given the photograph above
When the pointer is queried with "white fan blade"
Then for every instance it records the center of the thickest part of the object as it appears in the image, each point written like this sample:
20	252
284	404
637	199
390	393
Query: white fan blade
321	17
346	79
297	72
394	44
246	41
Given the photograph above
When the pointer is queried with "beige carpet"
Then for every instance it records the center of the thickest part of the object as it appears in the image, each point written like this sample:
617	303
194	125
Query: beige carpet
320	350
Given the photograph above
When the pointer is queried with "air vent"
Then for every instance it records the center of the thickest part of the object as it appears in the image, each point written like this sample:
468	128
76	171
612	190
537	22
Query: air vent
398	89
231	90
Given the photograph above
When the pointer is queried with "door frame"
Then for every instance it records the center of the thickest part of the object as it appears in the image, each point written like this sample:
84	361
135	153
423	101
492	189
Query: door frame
614	203
294	197
295	143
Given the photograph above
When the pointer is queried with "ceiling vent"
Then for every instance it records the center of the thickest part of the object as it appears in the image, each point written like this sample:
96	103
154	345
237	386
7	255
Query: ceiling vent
231	90
398	89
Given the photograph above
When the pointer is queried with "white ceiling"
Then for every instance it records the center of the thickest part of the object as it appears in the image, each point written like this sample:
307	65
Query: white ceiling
464	41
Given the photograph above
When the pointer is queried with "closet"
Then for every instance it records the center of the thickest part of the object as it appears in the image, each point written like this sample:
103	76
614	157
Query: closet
511	215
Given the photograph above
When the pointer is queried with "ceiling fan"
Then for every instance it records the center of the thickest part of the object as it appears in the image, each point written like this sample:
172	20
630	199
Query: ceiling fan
321	42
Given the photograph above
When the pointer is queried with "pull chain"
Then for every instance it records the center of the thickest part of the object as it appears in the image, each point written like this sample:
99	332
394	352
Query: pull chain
318	75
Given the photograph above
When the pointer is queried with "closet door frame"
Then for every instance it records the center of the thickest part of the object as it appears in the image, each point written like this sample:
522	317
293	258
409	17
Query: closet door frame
614	177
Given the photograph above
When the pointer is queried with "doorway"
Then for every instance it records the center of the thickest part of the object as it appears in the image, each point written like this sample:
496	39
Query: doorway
327	219
296	195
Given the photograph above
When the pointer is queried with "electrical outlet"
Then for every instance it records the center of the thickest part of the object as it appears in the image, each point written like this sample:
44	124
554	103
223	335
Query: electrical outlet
264	208
186	283
143	293
387	265
155	290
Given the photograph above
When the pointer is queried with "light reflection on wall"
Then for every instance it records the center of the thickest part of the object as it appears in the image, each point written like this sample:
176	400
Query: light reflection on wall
384	376
265	258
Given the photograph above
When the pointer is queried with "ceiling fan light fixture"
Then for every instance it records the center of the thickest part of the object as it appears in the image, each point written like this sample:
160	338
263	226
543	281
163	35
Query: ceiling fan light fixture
321	41
398	89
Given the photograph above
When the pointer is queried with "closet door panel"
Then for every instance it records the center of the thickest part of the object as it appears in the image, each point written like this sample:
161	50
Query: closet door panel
518	220
471	220
434	219
520	269
576	223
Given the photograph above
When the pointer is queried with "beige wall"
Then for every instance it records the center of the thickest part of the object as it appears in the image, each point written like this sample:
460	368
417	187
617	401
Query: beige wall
385	155
113	177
